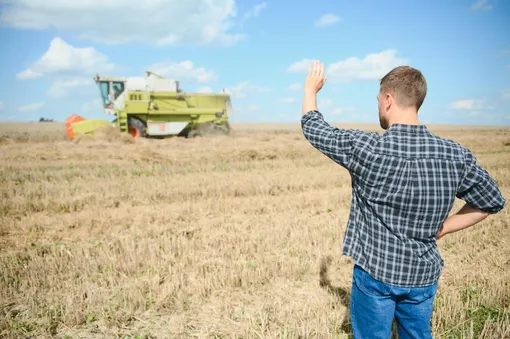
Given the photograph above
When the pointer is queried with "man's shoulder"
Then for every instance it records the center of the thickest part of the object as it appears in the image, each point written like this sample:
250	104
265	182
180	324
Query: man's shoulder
459	149
445	147
365	135
364	139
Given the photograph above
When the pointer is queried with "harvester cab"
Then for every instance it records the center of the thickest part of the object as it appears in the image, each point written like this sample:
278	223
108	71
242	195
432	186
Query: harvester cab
112	93
155	106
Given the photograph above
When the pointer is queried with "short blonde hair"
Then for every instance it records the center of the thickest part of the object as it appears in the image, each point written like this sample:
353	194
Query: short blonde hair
407	84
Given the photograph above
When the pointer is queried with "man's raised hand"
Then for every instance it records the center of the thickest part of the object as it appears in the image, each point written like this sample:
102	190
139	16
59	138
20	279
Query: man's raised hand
315	79
313	84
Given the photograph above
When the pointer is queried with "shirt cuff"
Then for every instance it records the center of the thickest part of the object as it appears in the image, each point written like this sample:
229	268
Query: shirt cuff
308	114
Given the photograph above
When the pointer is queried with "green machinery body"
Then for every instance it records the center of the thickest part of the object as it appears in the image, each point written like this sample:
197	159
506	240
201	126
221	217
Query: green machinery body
156	106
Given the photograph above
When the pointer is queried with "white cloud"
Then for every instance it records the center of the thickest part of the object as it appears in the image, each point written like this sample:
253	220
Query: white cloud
343	110
1	105
300	66
60	88
481	5
244	88
182	71
160	22
506	93
255	11
205	89
28	74
32	107
373	66
62	58
328	106
470	105
288	100
327	20
295	86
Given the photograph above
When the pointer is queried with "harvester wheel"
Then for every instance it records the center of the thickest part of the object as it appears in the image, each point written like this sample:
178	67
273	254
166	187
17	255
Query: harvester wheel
136	128
193	134
228	129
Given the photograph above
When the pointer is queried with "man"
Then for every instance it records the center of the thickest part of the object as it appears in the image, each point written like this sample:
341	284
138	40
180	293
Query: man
404	184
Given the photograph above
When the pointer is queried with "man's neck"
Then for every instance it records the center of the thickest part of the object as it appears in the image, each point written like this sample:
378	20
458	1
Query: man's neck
405	117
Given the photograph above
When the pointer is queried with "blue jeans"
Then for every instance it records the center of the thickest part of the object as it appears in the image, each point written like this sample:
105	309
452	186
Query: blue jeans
375	304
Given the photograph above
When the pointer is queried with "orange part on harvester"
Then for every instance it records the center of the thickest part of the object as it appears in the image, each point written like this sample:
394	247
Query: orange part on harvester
69	121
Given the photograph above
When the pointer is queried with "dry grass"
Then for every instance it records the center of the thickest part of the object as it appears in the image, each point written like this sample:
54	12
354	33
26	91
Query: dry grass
217	237
31	132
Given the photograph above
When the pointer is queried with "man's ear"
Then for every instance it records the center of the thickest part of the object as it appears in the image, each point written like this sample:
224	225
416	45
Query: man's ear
388	101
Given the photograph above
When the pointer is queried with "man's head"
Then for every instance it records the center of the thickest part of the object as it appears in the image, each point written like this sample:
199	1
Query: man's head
402	91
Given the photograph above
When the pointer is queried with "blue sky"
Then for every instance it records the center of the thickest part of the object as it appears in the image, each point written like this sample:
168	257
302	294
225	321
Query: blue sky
258	50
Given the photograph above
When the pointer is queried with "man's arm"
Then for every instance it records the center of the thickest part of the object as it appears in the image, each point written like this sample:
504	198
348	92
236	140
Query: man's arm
466	217
309	101
478	189
336	143
333	142
481	194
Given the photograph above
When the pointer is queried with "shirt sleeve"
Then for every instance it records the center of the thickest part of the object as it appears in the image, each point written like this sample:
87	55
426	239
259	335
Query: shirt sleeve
478	189
336	143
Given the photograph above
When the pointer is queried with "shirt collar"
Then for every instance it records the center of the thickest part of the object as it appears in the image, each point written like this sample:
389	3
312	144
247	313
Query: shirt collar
411	129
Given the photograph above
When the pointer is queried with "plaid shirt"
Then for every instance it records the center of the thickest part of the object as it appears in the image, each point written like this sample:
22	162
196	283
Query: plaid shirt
404	183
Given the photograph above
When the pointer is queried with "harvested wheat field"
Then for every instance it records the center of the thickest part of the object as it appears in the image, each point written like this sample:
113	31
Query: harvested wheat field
216	237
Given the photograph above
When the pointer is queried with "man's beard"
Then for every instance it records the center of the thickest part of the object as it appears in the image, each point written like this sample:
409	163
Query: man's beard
383	122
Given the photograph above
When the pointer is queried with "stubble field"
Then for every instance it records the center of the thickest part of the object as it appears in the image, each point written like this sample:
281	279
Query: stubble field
218	237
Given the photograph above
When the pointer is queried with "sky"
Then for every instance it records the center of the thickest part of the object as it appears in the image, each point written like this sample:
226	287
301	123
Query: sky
259	52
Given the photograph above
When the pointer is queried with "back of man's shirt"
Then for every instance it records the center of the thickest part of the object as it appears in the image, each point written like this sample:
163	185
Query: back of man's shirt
404	184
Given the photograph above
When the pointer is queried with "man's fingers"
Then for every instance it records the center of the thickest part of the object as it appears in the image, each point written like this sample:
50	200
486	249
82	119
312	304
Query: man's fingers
316	70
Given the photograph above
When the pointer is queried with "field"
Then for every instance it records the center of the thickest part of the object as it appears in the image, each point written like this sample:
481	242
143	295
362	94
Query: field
218	237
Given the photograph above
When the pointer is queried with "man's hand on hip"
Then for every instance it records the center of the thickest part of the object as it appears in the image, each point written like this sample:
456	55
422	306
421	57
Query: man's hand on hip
466	217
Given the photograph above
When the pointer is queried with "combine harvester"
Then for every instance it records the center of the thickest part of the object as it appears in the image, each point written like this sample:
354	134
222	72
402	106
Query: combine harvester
154	106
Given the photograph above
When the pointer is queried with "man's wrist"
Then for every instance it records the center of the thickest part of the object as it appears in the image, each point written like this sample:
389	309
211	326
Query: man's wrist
309	101
442	232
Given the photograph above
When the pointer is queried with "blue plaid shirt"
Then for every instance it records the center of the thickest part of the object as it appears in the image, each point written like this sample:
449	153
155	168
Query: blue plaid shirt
404	184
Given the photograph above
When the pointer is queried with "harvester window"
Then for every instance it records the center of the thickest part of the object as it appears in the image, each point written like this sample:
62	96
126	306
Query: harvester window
104	93
118	88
